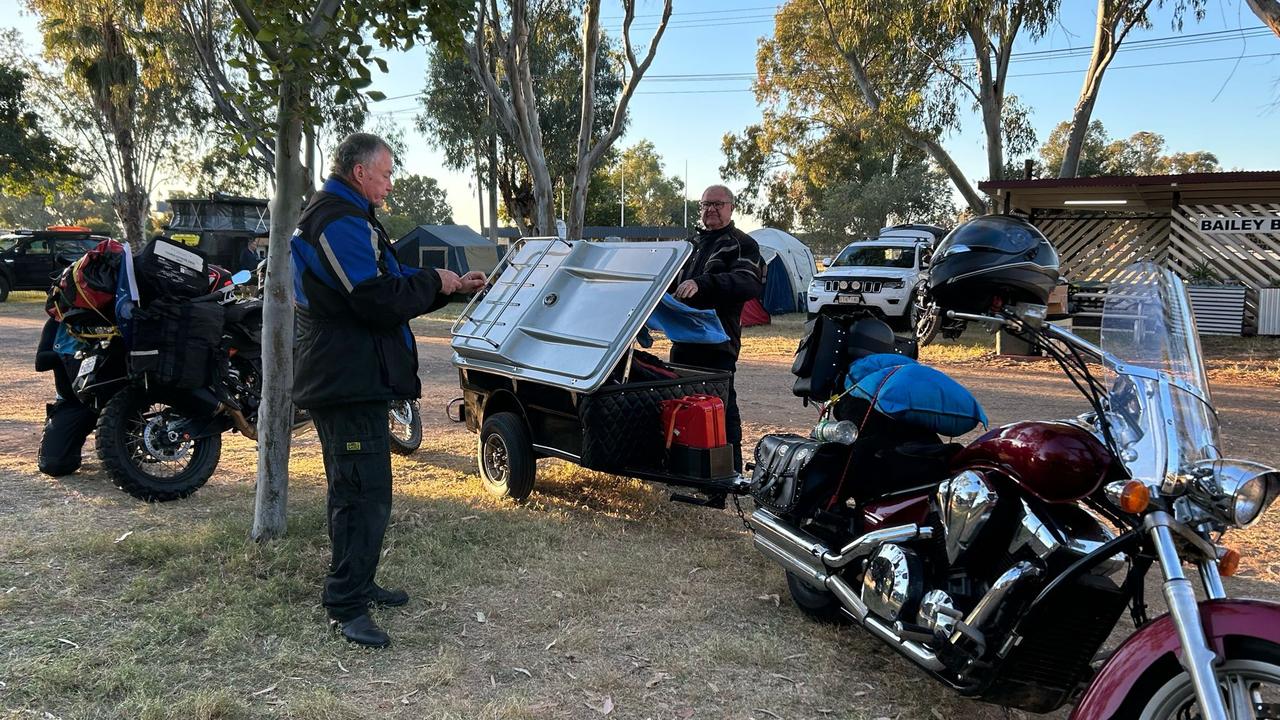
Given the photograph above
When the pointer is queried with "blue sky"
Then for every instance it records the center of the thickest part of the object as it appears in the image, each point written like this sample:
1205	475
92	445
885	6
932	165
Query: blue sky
1205	93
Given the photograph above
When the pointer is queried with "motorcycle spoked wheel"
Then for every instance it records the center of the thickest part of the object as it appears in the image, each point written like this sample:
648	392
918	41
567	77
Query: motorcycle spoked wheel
1249	678
926	320
134	447
405	423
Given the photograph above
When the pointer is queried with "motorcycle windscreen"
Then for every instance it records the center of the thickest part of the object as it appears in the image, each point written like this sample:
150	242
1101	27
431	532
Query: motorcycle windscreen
1160	411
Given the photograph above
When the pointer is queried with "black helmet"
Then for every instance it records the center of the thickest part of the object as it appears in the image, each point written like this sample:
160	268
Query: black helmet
869	336
993	256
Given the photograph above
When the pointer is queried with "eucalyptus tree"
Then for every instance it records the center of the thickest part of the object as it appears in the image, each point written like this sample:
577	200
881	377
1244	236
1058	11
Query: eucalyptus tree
1114	21
120	98
297	48
456	117
913	61
499	48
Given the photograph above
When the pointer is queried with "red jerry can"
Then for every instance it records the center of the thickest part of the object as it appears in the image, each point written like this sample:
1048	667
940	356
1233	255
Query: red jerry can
695	421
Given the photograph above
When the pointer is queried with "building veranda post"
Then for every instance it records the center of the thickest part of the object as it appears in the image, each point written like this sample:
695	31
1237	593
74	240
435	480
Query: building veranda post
1222	227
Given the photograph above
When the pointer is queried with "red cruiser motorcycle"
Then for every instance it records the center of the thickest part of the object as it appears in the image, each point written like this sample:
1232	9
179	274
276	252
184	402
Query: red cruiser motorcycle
1000	568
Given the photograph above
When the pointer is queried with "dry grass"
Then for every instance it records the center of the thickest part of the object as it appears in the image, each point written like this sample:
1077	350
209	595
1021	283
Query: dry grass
596	593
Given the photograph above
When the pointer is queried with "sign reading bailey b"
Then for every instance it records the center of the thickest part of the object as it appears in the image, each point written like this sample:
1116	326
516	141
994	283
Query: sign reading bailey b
1239	225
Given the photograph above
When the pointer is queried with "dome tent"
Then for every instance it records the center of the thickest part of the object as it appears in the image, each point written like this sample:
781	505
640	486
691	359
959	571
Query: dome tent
789	268
453	247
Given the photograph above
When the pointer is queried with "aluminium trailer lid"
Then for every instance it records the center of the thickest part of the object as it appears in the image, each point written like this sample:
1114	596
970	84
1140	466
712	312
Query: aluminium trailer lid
564	313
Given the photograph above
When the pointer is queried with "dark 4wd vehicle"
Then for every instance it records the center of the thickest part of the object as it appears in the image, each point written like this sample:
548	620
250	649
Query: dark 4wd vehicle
30	260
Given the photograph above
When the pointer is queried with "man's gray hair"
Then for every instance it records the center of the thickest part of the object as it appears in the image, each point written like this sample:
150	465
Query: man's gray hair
356	149
725	190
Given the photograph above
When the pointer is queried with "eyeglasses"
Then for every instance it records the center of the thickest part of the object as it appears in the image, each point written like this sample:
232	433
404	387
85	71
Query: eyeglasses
717	204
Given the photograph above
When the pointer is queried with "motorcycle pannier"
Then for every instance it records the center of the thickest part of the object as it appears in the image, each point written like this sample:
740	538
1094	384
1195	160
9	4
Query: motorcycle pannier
791	470
167	269
174	342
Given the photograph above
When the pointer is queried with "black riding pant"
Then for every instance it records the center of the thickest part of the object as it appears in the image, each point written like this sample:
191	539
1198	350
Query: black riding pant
715	357
357	464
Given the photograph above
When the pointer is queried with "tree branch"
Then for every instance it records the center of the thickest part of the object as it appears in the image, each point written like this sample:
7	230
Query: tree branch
245	13
637	72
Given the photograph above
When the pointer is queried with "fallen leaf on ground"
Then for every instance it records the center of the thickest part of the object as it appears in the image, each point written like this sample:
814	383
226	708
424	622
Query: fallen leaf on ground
657	678
523	671
604	707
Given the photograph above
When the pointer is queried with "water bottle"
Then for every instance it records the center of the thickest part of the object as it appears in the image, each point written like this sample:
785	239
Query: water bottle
843	431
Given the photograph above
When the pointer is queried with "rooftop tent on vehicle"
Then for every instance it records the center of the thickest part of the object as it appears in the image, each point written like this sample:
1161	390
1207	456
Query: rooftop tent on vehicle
453	247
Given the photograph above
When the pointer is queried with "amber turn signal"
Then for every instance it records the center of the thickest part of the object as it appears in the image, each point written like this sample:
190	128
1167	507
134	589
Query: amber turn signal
1134	497
1229	563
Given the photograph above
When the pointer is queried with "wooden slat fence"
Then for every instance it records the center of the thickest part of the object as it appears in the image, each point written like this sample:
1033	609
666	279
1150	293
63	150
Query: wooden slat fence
1095	246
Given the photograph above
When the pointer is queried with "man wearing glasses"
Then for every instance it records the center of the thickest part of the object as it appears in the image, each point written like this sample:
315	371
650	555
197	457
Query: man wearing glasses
724	272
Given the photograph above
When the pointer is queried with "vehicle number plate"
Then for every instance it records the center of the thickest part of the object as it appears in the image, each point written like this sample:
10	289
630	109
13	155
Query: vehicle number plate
87	366
849	299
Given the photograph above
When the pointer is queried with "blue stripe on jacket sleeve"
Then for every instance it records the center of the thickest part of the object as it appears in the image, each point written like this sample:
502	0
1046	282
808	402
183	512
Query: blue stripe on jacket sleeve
304	258
354	249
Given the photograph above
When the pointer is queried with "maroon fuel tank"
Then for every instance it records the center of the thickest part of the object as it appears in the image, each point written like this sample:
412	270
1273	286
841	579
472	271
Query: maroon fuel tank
1054	461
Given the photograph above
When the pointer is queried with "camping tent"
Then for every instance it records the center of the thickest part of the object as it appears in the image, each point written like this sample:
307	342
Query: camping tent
455	247
789	270
753	314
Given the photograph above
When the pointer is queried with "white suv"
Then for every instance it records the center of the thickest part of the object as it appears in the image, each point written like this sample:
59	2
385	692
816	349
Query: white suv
878	274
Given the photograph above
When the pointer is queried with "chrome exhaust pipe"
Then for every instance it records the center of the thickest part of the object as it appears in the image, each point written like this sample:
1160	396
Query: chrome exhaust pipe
803	555
865	545
795	549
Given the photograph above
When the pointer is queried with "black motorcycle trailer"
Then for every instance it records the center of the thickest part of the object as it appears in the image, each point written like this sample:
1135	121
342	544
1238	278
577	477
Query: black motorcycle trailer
544	362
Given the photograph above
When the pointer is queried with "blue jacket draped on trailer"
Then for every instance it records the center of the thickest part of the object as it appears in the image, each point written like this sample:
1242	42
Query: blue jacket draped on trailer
683	324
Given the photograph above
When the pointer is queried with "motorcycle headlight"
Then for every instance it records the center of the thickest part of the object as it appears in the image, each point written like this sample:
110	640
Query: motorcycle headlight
1249	501
1246	489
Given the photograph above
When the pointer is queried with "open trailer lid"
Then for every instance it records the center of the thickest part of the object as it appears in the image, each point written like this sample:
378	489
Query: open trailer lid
564	313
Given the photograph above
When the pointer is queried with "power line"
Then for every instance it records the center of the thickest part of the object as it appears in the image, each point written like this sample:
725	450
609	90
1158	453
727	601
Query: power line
620	18
1035	74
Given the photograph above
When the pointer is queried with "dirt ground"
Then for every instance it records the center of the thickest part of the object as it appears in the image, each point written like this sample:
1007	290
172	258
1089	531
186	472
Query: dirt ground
597	598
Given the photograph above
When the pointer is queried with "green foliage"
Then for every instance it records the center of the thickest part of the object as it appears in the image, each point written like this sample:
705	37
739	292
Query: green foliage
1202	273
54	204
30	159
289	41
820	146
415	200
456	117
1142	153
652	198
118	93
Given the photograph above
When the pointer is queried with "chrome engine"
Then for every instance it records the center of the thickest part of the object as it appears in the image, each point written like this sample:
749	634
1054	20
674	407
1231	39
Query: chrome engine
893	582
966	502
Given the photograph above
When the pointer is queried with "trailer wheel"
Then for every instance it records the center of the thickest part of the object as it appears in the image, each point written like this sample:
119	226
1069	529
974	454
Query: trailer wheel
505	456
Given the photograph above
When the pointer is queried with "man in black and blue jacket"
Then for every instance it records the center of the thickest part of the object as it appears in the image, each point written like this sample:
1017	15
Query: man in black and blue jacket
354	353
724	272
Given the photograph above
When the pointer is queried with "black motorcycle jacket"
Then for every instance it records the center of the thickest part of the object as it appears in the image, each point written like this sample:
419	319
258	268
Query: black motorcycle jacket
354	301
728	270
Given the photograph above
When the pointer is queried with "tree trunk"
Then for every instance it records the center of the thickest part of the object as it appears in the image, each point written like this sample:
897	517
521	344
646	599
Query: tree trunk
1268	11
917	139
1109	33
132	205
275	413
492	181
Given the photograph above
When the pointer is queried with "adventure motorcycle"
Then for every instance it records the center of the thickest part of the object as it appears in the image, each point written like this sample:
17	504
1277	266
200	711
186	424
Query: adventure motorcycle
1001	568
158	442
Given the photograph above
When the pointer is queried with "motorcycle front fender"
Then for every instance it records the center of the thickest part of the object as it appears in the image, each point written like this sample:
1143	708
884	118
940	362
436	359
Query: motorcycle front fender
1125	668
